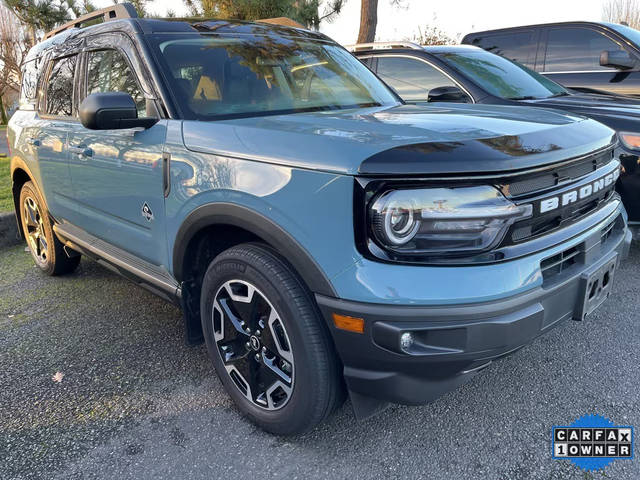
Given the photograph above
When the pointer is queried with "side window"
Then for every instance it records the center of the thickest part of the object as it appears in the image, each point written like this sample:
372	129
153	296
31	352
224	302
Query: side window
517	46
28	90
411	79
109	71
575	49
59	87
368	61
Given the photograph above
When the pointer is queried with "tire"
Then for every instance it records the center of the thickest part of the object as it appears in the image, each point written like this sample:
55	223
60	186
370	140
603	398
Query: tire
287	338
47	251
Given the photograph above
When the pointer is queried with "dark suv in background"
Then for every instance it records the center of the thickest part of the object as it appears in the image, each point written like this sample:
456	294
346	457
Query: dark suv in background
587	56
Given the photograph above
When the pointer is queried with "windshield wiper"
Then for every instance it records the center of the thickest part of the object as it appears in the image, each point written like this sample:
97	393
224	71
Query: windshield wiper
526	97
559	94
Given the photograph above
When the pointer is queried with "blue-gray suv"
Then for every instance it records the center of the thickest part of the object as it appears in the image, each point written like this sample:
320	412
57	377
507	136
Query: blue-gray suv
322	237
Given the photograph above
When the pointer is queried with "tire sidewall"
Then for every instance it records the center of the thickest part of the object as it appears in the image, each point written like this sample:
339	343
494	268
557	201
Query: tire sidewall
306	379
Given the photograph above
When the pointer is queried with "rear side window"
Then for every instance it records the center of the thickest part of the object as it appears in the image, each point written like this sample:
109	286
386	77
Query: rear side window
59	88
411	78
28	91
576	49
109	71
517	46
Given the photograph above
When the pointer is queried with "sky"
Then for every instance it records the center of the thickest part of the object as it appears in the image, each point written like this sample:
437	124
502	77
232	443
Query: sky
454	17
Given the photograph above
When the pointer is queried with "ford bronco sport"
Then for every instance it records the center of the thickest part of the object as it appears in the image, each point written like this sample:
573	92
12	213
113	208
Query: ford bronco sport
320	236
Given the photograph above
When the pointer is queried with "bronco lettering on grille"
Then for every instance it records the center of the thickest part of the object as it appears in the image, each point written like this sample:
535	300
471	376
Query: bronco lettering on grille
579	193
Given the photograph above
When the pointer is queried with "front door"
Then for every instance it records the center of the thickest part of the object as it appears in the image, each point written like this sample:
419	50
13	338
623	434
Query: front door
117	174
572	58
47	137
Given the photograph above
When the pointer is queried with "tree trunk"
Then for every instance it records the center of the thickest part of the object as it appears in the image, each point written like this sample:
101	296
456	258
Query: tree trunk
3	114
368	21
32	35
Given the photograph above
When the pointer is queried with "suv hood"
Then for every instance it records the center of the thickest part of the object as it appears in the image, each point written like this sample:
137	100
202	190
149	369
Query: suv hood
405	139
594	105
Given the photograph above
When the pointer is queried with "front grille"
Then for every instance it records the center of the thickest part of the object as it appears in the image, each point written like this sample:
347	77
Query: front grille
533	227
565	179
547	179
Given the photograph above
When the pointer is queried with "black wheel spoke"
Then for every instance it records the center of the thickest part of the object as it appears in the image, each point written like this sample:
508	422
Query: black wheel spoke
276	371
253	344
231	318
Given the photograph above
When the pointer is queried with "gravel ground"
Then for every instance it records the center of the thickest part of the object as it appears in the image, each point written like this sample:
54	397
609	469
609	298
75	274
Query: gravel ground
134	402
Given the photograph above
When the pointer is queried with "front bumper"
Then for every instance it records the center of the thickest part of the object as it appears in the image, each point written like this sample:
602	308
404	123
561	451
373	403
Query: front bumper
452	343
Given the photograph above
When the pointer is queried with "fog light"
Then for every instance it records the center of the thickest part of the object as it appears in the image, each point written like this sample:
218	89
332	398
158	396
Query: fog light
406	340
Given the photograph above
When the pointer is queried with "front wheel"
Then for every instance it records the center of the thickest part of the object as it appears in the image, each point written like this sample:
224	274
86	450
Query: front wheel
47	251
268	342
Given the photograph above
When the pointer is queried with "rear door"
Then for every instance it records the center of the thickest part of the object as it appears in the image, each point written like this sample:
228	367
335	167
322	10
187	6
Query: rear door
519	45
571	57
117	175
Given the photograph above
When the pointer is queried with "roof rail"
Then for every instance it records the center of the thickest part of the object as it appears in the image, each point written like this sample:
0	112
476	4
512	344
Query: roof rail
114	12
382	45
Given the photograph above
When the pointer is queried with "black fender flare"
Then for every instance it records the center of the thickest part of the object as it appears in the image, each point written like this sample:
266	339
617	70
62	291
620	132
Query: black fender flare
242	217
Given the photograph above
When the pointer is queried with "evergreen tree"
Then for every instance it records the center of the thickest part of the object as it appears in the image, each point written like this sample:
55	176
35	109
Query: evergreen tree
306	12
44	15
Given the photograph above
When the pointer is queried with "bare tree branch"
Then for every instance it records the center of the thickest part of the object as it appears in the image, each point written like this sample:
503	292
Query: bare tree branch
14	46
622	11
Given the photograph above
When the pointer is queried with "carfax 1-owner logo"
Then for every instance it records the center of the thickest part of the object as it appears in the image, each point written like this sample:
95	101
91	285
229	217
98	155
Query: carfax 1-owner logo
592	442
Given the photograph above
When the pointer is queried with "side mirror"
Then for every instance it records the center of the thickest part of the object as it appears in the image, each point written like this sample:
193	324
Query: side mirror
619	59
112	111
447	94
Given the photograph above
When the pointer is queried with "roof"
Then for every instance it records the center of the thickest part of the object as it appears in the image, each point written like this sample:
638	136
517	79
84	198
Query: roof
226	26
535	25
185	25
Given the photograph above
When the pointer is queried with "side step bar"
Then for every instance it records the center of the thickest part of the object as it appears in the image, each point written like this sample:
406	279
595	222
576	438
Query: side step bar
149	276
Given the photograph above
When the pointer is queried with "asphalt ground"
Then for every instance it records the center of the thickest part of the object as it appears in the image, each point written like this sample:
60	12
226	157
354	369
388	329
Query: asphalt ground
132	402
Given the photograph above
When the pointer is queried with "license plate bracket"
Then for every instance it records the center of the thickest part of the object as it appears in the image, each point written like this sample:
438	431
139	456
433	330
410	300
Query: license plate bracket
596	285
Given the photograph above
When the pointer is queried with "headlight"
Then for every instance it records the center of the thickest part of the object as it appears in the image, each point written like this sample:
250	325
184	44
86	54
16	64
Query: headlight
442	220
630	140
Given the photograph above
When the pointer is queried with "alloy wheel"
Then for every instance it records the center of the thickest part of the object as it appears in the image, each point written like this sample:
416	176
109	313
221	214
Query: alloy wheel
253	344
34	230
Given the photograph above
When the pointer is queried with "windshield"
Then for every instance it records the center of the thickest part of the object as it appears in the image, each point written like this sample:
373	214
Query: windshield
216	77
501	77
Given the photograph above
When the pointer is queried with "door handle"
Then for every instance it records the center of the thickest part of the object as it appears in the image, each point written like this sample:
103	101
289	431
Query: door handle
33	141
82	151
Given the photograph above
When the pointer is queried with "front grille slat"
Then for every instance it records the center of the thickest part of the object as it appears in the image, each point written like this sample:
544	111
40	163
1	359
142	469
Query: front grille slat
541	181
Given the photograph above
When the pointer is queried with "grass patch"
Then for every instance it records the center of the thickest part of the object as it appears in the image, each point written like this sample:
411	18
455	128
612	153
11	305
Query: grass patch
6	199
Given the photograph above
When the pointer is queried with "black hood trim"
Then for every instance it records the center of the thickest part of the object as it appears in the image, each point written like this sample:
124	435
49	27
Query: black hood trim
498	154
